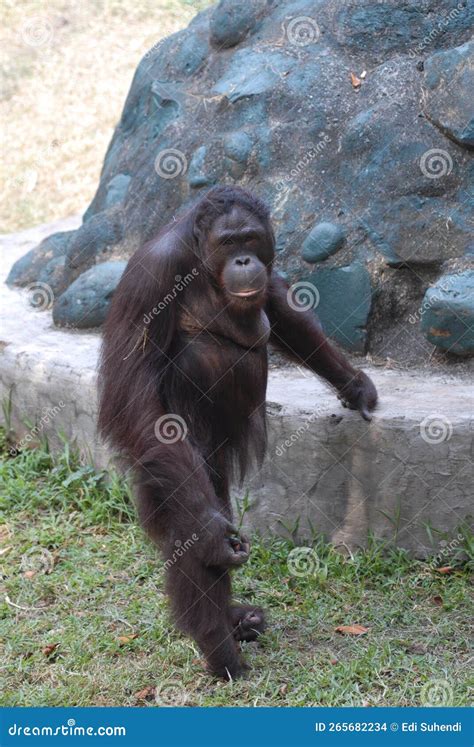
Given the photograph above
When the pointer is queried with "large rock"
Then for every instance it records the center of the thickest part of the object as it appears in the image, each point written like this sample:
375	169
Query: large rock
354	114
27	269
450	107
343	298
447	313
86	302
231	21
323	241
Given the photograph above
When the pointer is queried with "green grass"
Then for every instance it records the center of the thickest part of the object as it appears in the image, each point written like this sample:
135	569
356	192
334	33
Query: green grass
77	572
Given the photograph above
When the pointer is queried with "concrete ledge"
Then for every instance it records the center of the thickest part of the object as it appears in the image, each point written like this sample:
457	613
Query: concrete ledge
326	469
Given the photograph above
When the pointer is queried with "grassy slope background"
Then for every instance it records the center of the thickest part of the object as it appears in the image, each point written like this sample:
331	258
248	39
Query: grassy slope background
60	99
83	619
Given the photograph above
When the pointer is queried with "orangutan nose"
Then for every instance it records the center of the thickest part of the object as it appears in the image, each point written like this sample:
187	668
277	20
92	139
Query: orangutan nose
242	261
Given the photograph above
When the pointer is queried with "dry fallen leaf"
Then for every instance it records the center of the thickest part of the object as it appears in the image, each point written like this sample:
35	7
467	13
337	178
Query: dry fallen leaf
124	639
29	574
146	693
356	82
351	629
445	569
50	649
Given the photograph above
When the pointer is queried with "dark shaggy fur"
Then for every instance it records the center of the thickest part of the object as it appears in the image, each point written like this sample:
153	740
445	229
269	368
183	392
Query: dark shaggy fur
199	356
